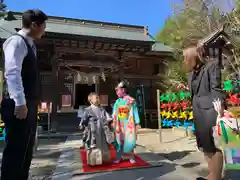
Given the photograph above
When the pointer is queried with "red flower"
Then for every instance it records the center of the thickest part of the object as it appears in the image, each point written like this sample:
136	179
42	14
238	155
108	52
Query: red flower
184	105
169	106
175	106
163	106
234	99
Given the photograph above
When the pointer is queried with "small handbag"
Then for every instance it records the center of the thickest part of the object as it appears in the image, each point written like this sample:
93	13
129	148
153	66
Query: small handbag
96	156
226	137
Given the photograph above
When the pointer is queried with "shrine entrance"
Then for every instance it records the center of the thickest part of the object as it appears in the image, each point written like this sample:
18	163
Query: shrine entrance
81	94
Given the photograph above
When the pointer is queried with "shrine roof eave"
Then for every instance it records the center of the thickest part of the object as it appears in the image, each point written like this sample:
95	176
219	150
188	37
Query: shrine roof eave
218	34
159	54
65	36
63	29
10	27
160	47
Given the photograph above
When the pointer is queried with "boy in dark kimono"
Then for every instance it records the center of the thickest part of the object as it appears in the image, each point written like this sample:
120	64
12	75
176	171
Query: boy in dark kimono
97	135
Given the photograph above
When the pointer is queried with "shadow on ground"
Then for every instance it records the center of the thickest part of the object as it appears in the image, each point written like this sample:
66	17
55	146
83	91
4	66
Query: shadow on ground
177	155
232	175
193	161
45	159
147	173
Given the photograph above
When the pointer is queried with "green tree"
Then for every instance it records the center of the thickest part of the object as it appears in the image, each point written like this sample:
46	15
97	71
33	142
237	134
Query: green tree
192	20
3	9
233	19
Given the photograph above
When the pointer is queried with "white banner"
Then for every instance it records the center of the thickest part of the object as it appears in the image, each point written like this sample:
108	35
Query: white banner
87	78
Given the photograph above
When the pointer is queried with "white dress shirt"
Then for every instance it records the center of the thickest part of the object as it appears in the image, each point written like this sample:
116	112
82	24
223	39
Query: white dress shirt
15	50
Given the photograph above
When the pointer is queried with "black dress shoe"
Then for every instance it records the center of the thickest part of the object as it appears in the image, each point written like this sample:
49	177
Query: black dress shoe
201	178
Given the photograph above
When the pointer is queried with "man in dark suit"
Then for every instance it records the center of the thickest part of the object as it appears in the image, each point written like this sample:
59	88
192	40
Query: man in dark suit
19	104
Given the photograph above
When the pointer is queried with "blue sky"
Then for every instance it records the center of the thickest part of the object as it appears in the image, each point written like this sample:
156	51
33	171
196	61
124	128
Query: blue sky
138	12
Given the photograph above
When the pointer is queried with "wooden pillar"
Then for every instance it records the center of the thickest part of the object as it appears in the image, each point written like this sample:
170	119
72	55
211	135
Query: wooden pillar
121	70
1	75
54	89
220	51
59	90
121	66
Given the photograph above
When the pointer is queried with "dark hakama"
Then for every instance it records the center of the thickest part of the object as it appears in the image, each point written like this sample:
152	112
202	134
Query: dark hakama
98	136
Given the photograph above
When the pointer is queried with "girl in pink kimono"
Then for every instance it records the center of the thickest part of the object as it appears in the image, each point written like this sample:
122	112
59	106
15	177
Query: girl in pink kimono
126	122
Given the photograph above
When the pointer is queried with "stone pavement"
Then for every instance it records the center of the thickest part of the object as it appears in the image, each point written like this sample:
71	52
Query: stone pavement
175	159
172	140
57	135
70	164
44	160
177	155
55	159
69	168
179	149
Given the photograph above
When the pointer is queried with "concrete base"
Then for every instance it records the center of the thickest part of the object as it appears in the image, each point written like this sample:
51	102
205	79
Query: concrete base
46	135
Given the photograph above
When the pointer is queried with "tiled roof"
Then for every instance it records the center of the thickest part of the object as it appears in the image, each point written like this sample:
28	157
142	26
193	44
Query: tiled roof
84	30
70	26
3	33
6	28
160	47
213	36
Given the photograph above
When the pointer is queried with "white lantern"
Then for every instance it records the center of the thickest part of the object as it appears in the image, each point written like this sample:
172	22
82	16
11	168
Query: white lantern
79	77
103	76
85	79
94	79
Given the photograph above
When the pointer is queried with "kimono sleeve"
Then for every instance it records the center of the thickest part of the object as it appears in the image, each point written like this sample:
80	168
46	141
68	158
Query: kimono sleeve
115	109
135	113
85	118
108	116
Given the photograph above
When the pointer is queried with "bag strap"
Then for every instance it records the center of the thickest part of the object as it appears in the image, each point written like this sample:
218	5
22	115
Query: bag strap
24	39
224	132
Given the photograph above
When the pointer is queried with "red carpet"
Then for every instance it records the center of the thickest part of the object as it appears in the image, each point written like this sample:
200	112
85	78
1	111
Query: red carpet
111	166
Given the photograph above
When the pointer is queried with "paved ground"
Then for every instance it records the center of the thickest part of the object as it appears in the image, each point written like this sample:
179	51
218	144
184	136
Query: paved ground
178	155
66	167
168	171
45	159
140	174
180	150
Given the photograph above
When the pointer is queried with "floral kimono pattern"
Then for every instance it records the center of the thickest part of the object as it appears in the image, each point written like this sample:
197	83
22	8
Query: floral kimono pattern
125	118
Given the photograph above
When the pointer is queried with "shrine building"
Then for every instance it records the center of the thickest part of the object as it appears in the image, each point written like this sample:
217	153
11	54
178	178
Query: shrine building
79	56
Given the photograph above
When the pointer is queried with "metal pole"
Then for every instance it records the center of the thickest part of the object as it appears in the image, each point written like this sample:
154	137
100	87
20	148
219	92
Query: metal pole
36	140
144	107
1	87
159	116
49	116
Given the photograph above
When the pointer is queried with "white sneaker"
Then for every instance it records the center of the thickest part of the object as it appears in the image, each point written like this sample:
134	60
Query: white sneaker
132	161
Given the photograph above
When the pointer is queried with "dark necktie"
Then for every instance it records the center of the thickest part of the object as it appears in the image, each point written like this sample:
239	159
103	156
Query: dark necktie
34	49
